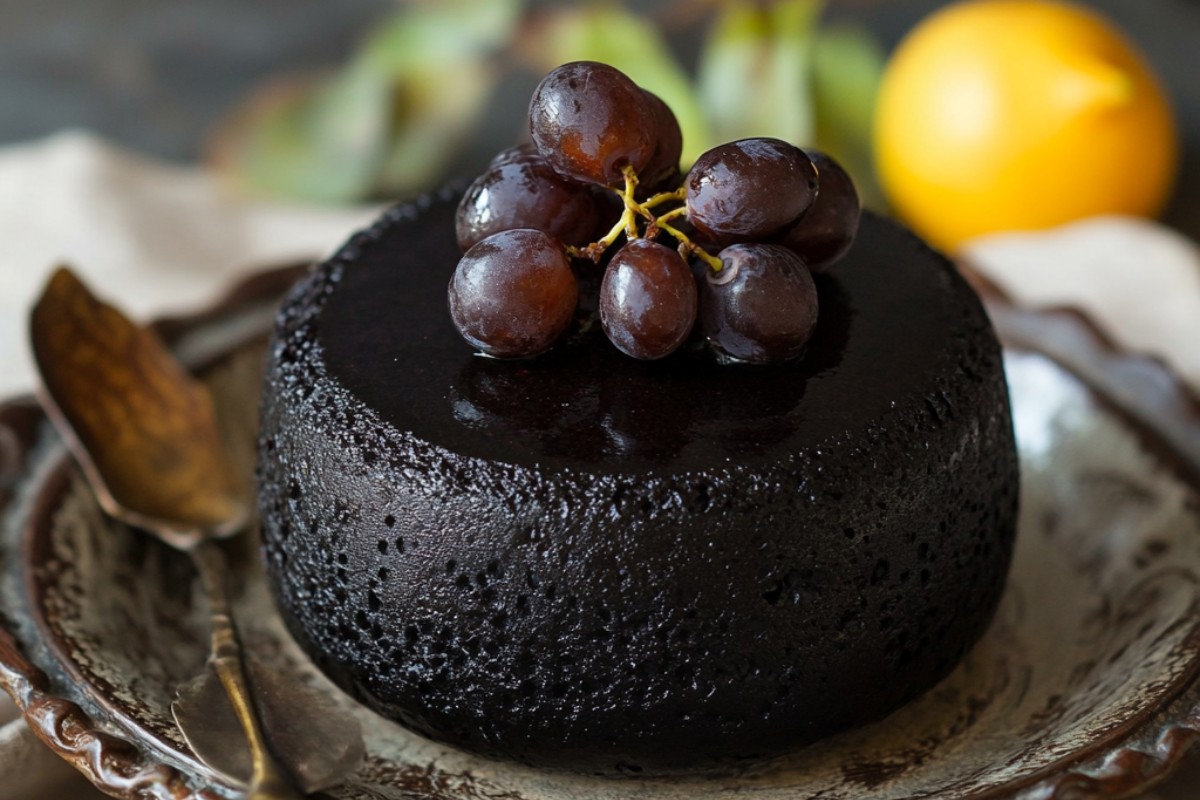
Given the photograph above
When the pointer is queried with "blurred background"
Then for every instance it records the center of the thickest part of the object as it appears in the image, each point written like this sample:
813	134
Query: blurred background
374	99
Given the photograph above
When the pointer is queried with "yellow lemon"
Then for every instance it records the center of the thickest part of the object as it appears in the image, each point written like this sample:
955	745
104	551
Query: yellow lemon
1020	114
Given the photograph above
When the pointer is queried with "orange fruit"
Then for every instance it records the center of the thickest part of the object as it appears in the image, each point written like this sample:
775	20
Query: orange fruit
999	115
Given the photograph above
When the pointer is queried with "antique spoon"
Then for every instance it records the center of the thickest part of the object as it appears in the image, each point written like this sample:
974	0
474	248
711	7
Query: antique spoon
145	434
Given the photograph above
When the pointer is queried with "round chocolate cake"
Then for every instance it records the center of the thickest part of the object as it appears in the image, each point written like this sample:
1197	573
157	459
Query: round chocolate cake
592	562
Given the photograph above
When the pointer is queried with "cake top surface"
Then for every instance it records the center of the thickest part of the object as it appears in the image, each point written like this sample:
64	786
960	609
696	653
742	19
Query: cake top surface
893	313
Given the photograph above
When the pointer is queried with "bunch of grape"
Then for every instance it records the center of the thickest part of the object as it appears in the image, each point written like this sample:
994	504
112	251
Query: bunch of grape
756	217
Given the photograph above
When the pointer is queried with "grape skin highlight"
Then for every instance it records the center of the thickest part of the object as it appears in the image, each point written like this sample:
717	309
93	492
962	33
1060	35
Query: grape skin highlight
761	307
749	190
513	294
523	191
829	227
590	121
647	300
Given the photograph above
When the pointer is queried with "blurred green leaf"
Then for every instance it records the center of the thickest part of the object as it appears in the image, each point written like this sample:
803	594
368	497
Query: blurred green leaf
735	52
438	54
847	68
426	34
386	124
322	141
391	121
755	70
793	25
435	111
632	44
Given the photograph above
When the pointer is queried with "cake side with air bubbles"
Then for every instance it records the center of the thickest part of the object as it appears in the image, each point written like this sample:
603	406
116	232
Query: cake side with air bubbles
591	562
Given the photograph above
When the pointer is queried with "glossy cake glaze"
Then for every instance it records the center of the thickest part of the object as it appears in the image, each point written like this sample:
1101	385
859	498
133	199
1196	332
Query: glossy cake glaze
587	561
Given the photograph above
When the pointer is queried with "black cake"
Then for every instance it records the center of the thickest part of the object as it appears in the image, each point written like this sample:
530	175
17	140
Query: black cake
586	561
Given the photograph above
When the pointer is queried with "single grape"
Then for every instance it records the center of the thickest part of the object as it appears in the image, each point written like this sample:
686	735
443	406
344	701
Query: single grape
749	190
512	153
647	300
662	173
829	227
761	307
513	294
589	121
523	191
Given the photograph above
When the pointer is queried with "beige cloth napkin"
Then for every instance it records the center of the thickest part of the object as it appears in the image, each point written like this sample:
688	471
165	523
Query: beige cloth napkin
1139	280
162	238
159	238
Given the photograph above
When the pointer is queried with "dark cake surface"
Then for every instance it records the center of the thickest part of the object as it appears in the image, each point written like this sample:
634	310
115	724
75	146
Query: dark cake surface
587	561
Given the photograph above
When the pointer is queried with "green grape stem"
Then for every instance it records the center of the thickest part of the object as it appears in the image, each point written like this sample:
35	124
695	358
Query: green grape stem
679	195
635	209
632	208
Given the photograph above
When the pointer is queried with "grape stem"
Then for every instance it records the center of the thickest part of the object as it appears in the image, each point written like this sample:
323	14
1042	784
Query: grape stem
595	251
631	204
691	247
678	196
670	215
628	223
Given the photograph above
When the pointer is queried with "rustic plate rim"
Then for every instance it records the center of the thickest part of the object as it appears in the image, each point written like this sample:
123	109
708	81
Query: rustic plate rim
113	764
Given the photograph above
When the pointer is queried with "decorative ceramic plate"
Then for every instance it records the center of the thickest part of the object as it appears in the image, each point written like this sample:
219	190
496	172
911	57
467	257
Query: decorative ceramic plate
1085	683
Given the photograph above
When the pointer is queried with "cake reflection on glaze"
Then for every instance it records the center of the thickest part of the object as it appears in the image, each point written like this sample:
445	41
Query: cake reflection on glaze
591	562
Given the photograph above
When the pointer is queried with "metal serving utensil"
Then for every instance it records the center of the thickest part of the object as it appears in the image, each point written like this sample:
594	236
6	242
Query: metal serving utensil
145	434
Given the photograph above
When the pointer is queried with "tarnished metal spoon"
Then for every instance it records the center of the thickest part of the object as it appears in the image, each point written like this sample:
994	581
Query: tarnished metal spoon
145	434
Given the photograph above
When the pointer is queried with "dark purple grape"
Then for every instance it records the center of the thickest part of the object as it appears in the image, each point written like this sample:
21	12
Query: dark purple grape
589	121
647	300
761	307
829	227
512	153
513	294
662	173
523	191
749	190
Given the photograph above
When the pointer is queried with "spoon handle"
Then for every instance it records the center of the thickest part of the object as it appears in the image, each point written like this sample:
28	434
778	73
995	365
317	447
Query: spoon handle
268	779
